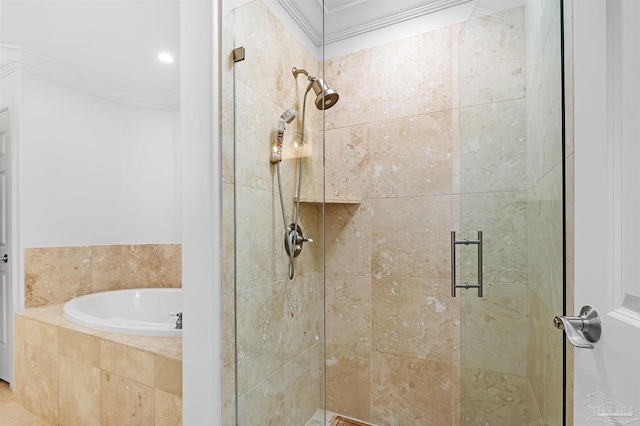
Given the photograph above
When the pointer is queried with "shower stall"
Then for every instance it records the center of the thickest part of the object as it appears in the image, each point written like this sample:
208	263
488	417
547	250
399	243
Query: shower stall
395	253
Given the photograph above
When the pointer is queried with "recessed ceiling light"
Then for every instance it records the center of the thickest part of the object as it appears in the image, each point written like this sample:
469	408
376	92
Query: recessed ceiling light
165	57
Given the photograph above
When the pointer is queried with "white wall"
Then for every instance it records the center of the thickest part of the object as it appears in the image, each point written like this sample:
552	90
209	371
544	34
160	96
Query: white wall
201	204
95	172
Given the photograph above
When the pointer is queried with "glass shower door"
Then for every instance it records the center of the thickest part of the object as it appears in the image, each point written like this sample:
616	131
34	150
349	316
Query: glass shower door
511	189
279	327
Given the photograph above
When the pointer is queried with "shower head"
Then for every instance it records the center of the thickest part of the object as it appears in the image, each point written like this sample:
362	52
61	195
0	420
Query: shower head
325	97
287	117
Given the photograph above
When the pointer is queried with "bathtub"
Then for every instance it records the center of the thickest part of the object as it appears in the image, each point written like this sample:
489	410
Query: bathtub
141	312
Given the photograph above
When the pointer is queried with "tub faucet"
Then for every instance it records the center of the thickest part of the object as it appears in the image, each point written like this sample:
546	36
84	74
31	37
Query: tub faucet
178	321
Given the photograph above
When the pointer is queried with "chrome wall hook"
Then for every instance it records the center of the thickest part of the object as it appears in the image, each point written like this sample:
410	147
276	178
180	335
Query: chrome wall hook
581	331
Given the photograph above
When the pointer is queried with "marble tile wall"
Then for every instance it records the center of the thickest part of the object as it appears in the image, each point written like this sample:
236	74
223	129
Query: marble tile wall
389	318
455	161
70	375
58	274
443	147
277	348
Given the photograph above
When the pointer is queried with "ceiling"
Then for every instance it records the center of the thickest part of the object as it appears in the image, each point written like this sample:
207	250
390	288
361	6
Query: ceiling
118	40
348	18
113	40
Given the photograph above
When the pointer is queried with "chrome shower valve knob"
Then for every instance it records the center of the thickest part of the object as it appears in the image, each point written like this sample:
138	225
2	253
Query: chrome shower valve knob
294	239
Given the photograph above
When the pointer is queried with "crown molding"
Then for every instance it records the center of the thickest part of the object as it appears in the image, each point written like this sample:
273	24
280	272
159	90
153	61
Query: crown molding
309	30
289	6
18	59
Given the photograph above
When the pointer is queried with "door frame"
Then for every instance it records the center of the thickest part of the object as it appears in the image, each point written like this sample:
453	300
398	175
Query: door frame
16	263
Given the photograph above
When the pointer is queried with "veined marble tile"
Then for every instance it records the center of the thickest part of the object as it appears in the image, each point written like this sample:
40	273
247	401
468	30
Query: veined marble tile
168	409
348	238
411	156
57	274
535	353
418	248
136	266
259	237
493	147
411	76
407	391
41	334
303	392
80	346
539	15
296	55
347	163
302	314
486	342
127	362
79	393
229	385
261	34
54	275
544	107
227	94
545	223
350	76
259	334
125	402
168	375
38	386
228	241
349	380
492	58
257	123
348	311
265	403
499	399
502	217
413	317
16	415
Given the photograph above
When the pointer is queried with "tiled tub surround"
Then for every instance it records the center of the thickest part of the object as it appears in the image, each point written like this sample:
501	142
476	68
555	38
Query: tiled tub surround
58	274
72	375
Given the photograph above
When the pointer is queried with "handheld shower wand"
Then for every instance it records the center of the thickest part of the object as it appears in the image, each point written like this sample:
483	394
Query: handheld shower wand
287	117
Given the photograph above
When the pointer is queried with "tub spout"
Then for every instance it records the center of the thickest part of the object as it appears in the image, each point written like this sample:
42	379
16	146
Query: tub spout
178	321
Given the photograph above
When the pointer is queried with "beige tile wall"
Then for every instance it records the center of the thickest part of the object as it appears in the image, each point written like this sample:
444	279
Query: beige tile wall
446	114
426	166
391	324
58	274
70	375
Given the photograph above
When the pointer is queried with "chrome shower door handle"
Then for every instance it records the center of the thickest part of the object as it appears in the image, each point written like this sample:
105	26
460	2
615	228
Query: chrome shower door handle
581	331
466	242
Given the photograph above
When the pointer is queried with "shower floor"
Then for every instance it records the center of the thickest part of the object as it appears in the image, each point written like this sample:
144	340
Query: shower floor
334	419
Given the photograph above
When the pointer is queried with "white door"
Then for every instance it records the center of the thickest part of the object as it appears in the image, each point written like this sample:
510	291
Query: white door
5	290
607	207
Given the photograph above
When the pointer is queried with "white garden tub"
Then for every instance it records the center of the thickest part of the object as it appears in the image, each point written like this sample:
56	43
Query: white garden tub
142	311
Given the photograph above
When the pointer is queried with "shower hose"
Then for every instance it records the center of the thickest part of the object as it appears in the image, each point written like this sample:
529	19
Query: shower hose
291	235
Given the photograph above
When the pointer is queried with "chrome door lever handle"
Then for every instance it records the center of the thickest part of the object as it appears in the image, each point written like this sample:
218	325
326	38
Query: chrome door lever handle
581	331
